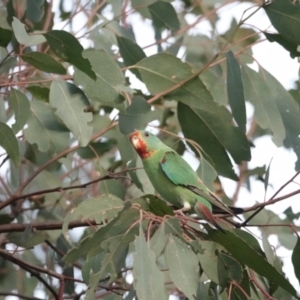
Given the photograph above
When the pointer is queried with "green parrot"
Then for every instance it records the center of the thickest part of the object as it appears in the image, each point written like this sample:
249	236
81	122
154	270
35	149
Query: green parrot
175	180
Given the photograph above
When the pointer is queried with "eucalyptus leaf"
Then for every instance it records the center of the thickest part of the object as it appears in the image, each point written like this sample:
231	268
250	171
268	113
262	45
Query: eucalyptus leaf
9	142
65	98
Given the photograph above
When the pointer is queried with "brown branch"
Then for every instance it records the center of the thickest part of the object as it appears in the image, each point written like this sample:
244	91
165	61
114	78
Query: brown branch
48	163
60	188
19	296
259	286
32	269
258	207
13	227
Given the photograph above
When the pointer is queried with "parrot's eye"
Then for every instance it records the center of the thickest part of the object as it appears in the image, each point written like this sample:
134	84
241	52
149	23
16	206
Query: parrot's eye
146	134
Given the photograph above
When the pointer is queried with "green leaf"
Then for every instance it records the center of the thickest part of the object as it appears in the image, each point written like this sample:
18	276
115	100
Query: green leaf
5	219
22	37
250	240
44	129
266	183
35	10
235	91
27	239
285	17
164	15
296	259
101	209
281	102
268	248
131	53
10	144
208	135
118	231
21	107
162	71
183	266
229	270
208	259
159	207
38	92
266	111
7	62
241	251
93	265
148	279
137	116
109	78
47	180
43	62
286	44
207	173
94	150
66	97
5	37
67	48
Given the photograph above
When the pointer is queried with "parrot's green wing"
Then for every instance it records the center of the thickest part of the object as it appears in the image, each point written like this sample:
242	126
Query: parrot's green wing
181	173
177	169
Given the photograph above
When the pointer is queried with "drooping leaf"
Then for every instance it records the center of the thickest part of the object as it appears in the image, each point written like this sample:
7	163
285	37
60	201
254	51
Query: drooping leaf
65	97
164	15
235	91
285	17
282	108
43	62
7	62
229	270
183	266
44	129
38	92
118	231
296	259
10	144
207	173
266	111
158	206
242	252
131	53
68	48
27	239
5	37
100	209
93	150
148	279
285	43
266	183
137	116
110	79
208	259
21	107
22	37
214	151
35	10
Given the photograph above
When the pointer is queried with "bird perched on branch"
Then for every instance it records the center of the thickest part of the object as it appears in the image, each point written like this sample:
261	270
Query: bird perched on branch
175	180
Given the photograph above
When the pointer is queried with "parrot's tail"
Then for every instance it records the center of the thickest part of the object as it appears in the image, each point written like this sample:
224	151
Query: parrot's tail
235	210
203	211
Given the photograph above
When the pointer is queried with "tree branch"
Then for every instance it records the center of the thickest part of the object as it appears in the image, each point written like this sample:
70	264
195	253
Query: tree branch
13	227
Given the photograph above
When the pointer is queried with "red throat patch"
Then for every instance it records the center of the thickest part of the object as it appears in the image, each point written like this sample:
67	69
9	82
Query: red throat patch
140	145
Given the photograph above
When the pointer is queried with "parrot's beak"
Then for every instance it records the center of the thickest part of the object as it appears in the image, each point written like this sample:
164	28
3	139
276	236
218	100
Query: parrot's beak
134	138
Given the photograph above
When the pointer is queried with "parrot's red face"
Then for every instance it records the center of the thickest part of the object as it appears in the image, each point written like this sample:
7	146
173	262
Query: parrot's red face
138	140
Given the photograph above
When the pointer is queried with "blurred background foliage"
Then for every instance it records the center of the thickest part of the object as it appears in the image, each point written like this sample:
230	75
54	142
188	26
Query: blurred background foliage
74	82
